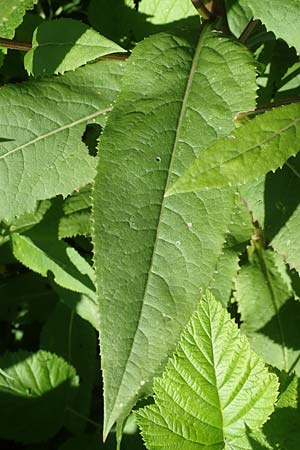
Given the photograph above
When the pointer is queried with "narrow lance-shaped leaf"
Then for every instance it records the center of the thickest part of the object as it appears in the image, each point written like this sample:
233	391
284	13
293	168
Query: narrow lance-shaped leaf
44	155
65	44
154	256
261	145
212	389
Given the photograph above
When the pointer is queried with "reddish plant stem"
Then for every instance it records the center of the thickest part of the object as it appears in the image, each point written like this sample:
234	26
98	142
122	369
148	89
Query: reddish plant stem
267	106
15	45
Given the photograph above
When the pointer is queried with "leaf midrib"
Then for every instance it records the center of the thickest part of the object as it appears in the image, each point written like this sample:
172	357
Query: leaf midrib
57	130
198	49
265	141
218	166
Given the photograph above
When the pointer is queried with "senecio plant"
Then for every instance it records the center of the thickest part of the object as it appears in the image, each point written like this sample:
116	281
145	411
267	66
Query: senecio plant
150	203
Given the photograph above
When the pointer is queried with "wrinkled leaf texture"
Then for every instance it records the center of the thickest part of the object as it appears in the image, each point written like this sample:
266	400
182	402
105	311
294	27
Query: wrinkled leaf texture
211	389
154	256
262	145
280	17
43	155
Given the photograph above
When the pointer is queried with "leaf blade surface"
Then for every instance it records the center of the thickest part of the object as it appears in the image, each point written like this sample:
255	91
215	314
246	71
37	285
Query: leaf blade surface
202	400
150	253
262	145
45	155
12	13
65	44
34	391
268	310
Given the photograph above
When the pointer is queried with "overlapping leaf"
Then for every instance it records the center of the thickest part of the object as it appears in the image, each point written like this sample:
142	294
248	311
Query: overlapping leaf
154	256
239	15
274	201
282	430
35	389
40	250
283	212
43	154
280	17
261	145
77	215
120	21
238	236
12	13
269	313
212	389
65	44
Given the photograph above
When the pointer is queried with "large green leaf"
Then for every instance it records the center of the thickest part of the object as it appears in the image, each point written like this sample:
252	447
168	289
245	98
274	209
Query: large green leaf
44	155
263	144
269	313
35	389
65	44
211	389
12	13
74	339
154	256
